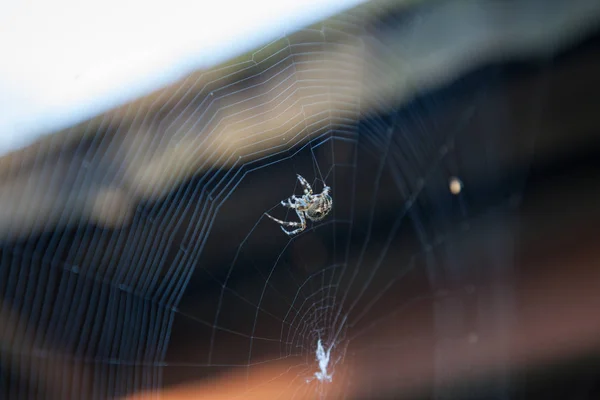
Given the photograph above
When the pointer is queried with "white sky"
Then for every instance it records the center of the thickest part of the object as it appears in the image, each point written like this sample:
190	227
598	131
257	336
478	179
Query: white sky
63	61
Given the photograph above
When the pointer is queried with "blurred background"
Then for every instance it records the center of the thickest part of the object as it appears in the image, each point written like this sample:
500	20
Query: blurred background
141	146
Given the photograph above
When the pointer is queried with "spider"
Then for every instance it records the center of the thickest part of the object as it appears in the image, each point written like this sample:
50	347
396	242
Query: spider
312	206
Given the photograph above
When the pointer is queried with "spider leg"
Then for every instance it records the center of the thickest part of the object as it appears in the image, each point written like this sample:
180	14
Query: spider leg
302	225
291	202
305	185
287	223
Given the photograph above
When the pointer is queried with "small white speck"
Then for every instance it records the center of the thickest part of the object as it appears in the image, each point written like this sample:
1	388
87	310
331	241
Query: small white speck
455	185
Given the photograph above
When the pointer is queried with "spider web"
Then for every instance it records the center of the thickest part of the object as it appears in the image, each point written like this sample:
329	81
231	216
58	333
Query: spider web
201	282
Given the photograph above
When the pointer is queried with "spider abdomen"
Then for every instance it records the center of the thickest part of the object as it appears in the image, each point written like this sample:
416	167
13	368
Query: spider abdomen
319	208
